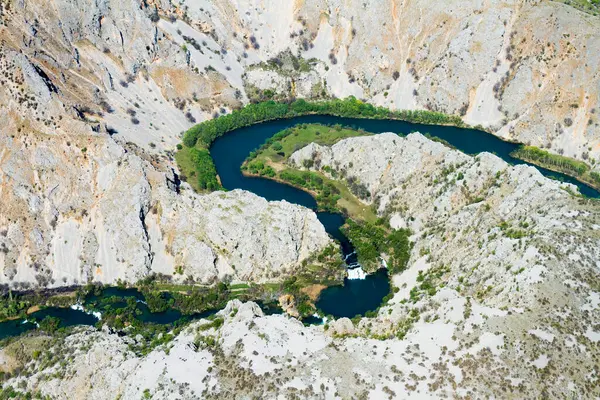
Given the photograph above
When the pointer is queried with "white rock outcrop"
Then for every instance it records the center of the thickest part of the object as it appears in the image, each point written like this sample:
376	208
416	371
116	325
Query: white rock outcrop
113	216
499	299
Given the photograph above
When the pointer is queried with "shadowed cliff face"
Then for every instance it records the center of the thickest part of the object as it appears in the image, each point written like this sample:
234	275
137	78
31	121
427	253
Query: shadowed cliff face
95	95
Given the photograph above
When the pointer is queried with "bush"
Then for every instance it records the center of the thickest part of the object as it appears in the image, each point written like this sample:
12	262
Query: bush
372	239
277	146
327	193
536	155
205	169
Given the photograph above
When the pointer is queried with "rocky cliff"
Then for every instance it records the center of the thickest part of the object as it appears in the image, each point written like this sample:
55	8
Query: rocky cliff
85	85
500	299
527	70
86	209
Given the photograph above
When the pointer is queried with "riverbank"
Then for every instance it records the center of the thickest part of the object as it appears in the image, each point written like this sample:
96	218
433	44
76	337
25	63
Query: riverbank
371	236
271	161
195	162
206	132
561	164
350	112
16	305
155	305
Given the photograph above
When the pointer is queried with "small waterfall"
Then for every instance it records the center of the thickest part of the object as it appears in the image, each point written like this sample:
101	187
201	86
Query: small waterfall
26	321
356	272
79	307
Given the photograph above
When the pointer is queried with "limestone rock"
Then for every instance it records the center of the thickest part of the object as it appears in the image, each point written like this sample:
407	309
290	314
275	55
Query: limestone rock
286	302
126	222
501	284
342	327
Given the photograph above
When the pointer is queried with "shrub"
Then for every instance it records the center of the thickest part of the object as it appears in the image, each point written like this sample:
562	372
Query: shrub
277	146
373	239
205	169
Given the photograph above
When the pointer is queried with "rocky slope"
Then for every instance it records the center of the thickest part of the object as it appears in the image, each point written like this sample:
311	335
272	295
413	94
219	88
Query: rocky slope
85	81
527	70
102	213
500	298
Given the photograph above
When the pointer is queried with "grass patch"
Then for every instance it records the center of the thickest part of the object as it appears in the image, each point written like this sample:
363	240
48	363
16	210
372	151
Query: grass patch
588	6
331	195
283	144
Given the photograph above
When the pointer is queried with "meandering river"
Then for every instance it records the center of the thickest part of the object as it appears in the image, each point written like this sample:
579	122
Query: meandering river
355	296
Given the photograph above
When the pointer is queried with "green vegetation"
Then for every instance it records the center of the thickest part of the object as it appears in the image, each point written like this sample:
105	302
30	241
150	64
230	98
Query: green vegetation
13	306
286	63
206	132
214	324
123	312
259	168
197	167
536	155
282	145
371	240
194	159
555	162
326	269
331	195
588	6
160	296
514	233
327	193
12	393
428	283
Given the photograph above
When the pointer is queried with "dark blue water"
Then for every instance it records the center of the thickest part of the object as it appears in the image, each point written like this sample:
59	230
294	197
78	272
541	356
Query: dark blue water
108	299
355	296
230	150
66	316
14	328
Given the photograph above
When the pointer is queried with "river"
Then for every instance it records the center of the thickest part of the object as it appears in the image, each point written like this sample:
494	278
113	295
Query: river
355	297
